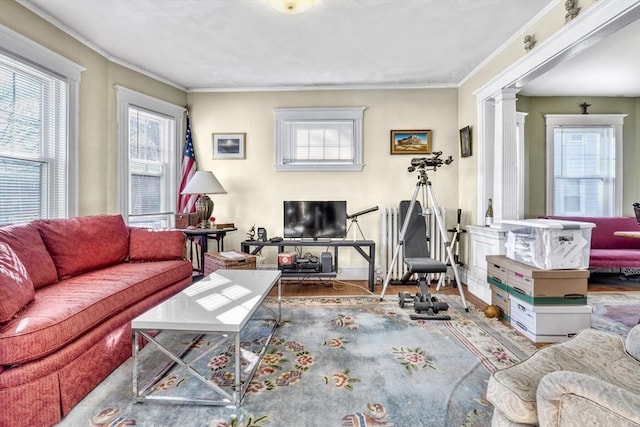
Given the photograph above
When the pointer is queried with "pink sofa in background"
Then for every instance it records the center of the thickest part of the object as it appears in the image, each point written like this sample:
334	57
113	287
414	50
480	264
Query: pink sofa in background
68	291
609	251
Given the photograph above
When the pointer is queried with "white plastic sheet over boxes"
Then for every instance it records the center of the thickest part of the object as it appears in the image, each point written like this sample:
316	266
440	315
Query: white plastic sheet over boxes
549	244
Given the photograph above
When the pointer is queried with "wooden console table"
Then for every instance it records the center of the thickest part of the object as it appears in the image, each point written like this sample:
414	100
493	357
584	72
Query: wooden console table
358	245
630	234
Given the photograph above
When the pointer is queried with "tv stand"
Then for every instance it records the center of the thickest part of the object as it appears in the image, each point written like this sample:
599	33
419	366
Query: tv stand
358	245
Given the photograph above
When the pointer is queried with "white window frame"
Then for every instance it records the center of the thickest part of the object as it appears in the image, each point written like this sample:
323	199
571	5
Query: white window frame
25	50
614	120
282	116
128	98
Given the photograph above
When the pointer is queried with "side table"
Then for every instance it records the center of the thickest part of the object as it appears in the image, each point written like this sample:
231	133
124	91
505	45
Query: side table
202	236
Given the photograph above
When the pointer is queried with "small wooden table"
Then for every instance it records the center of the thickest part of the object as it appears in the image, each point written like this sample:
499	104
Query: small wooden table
202	235
630	234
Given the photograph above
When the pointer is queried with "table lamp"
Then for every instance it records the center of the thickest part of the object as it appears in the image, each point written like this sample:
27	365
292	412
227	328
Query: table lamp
203	183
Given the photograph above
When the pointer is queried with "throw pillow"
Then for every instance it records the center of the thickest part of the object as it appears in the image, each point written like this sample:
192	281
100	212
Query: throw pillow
16	287
85	243
26	242
155	245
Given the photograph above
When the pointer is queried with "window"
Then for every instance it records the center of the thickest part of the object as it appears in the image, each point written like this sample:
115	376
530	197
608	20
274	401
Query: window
38	101
319	139
149	132
584	164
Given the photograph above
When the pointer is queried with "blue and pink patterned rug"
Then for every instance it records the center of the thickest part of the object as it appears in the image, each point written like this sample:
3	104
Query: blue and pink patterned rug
344	362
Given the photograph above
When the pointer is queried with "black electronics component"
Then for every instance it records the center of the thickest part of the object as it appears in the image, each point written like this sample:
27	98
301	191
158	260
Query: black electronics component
262	234
326	260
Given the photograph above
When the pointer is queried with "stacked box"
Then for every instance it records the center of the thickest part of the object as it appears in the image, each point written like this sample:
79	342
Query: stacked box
230	260
497	278
549	323
544	305
549	244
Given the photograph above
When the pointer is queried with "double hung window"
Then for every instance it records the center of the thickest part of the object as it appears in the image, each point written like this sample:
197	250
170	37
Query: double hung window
584	164
38	98
149	138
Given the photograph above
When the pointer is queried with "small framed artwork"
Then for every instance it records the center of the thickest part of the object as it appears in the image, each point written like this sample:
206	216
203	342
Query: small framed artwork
465	141
229	145
410	141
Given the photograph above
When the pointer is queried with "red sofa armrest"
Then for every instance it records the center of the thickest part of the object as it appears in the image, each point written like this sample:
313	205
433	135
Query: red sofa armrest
156	245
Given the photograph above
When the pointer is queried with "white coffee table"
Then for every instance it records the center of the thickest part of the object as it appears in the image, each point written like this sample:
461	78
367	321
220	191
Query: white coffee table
223	303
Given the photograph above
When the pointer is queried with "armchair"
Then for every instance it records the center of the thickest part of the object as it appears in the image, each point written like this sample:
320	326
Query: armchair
592	379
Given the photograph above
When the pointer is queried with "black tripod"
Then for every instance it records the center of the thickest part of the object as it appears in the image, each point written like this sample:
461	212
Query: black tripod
425	302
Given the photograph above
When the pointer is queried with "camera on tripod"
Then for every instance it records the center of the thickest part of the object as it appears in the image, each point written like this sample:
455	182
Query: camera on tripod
432	162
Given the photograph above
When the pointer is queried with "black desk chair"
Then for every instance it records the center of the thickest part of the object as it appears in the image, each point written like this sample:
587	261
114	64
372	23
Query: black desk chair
418	261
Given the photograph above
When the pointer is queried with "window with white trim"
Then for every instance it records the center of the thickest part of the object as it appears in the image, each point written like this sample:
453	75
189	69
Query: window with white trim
584	170
38	101
149	133
319	139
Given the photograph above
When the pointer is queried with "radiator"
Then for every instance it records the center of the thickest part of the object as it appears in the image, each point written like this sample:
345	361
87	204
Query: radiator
390	227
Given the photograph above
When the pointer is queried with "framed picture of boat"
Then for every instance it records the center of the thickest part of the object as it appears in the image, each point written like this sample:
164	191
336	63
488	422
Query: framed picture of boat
410	141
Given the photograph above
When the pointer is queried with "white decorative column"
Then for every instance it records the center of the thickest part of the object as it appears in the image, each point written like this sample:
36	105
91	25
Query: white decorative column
506	186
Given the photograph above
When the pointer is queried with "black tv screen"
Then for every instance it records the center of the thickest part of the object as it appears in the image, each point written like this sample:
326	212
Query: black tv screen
315	219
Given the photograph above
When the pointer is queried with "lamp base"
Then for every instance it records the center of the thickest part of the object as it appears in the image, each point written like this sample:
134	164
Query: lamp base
204	209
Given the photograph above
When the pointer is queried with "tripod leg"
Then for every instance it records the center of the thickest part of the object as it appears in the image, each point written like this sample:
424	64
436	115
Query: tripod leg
396	252
447	245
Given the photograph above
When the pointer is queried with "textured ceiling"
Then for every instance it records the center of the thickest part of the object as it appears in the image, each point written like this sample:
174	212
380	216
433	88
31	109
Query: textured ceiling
245	44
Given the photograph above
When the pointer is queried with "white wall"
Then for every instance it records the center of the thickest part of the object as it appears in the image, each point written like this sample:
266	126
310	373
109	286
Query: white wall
256	190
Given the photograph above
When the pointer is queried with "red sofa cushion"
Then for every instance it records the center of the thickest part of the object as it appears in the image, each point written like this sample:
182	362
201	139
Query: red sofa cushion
16	287
26	242
602	235
155	245
63	312
86	243
614	258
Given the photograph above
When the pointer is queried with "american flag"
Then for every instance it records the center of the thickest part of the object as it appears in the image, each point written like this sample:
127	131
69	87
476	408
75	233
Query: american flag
187	202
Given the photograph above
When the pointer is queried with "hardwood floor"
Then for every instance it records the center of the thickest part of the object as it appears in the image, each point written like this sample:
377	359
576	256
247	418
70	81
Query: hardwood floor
309	288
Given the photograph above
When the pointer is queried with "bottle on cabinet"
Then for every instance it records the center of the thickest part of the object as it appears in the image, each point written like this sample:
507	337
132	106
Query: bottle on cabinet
488	216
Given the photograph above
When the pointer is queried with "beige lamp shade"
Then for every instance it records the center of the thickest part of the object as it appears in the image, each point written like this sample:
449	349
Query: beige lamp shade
204	182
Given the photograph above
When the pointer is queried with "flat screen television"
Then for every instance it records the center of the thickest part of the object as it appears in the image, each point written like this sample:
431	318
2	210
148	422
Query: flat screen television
315	219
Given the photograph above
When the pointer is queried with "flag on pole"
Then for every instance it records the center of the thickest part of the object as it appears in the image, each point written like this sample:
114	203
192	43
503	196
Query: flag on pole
187	202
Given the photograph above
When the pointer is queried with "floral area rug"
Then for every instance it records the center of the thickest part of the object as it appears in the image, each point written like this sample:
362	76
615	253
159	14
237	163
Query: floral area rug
354	361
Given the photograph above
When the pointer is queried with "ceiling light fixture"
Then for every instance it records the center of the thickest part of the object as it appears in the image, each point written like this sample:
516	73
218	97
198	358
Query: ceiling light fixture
291	7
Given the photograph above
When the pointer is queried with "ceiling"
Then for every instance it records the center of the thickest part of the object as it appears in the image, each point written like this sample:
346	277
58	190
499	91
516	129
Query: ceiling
223	45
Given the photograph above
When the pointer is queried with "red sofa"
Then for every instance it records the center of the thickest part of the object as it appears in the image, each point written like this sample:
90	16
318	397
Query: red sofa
609	251
68	291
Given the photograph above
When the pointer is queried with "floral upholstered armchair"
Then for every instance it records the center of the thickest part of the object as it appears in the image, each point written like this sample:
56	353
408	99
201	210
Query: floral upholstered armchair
592	379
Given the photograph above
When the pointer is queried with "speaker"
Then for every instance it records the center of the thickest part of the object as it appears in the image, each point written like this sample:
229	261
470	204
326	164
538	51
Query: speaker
326	260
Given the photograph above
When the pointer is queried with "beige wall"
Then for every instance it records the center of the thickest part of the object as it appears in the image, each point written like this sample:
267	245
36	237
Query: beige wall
97	142
535	145
256	190
547	24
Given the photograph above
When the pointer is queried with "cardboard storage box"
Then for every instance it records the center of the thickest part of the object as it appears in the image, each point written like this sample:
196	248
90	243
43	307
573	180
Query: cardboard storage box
537	286
230	260
549	244
500	298
549	323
